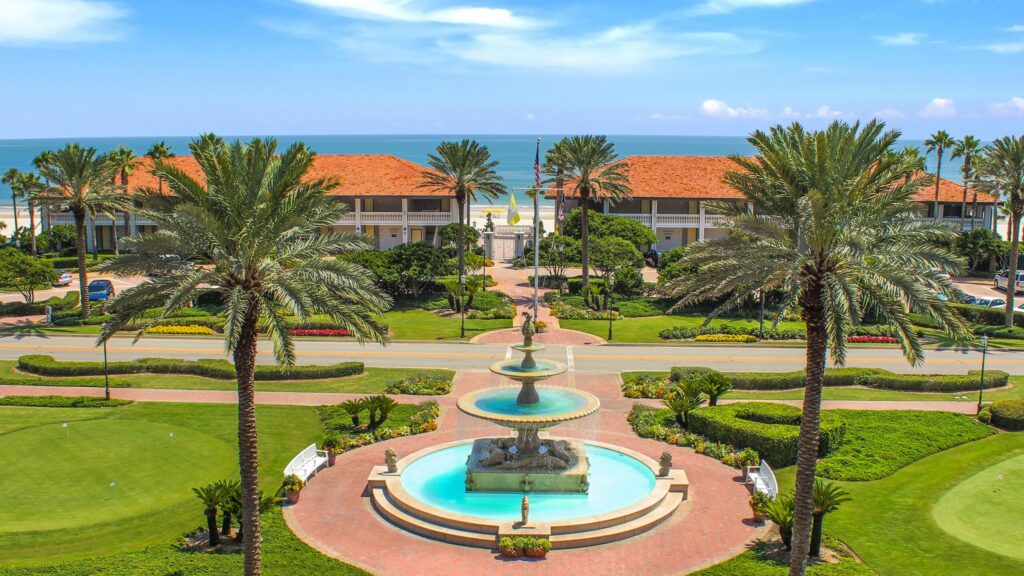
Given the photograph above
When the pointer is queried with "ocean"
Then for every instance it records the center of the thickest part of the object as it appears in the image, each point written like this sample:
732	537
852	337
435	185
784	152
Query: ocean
515	153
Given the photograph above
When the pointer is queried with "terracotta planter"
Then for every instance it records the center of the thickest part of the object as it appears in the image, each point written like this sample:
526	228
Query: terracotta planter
511	553
756	514
292	495
539	553
331	457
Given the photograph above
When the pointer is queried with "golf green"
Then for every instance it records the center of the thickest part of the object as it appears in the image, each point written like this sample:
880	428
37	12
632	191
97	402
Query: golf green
987	510
71	475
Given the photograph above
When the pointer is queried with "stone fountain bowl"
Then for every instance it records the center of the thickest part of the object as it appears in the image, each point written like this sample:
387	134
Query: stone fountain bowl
557	405
514	370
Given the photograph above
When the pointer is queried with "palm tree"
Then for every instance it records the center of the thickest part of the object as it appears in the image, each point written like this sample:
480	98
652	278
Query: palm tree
80	179
159	151
833	228
554	166
967	148
42	159
912	155
10	178
259	228
683	399
229	487
464	170
213	496
124	162
827	499
938	143
589	164
1003	170
30	187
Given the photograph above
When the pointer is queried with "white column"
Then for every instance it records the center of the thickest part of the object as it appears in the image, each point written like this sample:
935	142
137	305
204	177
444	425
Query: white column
654	215
700	221
453	208
405	220
359	214
605	205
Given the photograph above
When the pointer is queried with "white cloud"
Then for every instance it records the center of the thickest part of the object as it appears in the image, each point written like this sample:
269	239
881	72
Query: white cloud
64	21
826	111
1012	107
901	39
529	117
1015	28
414	11
658	116
889	114
939	108
728	6
1005	47
789	112
619	49
719	109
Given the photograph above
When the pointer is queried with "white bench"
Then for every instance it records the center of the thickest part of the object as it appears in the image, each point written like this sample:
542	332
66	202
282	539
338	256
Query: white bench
763	479
306	463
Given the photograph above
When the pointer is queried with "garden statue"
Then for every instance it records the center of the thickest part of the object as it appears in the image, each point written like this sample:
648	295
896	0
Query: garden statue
528	330
665	463
391	460
526	510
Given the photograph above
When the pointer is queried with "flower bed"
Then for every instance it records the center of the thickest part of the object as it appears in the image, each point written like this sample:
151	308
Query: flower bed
412	420
189	329
872	339
319	332
744	338
421	384
658	424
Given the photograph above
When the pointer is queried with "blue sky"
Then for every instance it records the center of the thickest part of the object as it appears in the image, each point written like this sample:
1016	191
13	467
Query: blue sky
724	67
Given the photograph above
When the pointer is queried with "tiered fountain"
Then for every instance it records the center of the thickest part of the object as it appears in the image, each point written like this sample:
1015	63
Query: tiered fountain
581	493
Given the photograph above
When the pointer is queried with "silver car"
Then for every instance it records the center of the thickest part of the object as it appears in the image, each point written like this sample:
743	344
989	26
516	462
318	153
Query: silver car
64	278
1002	279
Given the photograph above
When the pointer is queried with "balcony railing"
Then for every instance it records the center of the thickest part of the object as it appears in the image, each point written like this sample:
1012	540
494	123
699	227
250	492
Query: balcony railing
434	218
644	219
678	220
958	223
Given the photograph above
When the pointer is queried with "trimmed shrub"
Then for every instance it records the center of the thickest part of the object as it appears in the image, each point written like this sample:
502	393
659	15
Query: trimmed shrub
659	424
773	430
62	401
45	365
68	302
868	377
1014	332
1008	414
188	329
421	384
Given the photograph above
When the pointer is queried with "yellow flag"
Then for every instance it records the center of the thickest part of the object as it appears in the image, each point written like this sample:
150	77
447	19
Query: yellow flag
513	211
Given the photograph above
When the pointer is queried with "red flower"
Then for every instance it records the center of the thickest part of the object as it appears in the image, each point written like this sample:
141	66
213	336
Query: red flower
872	339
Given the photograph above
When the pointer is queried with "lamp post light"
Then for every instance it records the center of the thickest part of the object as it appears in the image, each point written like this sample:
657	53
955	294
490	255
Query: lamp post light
981	383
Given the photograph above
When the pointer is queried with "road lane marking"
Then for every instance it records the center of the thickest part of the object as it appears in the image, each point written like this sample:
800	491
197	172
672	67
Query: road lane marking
569	360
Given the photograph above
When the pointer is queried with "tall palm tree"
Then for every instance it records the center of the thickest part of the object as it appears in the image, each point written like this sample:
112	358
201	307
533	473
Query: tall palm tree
967	148
258	227
554	166
159	151
833	228
124	162
938	143
10	178
42	159
463	170
30	187
589	165
80	180
1003	170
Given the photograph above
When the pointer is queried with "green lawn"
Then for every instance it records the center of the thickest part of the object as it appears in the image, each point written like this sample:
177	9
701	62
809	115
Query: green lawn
416	324
891	523
1014	390
371	381
60	503
646	329
757	562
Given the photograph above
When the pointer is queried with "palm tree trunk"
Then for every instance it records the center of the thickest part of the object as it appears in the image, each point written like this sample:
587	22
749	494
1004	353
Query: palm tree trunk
585	237
938	171
113	231
974	209
213	537
807	452
559	198
32	225
816	535
963	209
225	525
14	202
83	281
1011	274
460	200
248	462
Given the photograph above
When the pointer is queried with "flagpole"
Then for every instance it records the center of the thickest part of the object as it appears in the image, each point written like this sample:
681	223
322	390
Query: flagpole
536	235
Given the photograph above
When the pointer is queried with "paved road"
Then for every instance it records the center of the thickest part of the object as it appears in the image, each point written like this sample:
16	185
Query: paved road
453	355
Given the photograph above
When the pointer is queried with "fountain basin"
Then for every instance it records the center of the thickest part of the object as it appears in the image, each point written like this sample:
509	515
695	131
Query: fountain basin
556	405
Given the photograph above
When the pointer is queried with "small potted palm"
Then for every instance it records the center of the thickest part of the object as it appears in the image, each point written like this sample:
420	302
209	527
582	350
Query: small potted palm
292	486
758	501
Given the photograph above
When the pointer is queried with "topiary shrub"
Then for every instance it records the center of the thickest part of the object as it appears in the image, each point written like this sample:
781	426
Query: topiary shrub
867	377
1008	414
773	430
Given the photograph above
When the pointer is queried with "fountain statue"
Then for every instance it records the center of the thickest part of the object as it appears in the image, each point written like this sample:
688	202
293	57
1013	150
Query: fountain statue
525	510
527	462
665	464
391	460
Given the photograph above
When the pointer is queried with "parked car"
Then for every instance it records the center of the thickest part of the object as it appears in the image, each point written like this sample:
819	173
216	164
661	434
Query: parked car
64	278
968	298
101	290
1001	280
989	302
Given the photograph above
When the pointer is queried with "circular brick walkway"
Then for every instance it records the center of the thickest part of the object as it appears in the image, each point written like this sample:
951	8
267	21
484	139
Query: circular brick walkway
334	517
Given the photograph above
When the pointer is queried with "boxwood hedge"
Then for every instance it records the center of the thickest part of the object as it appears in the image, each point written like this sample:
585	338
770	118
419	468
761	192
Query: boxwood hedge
1008	414
867	377
68	302
44	365
62	401
773	430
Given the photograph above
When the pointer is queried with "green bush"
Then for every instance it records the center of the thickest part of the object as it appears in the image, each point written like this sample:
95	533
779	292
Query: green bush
68	302
1013	332
1008	414
868	377
660	424
62	401
421	384
44	365
980	315
771	429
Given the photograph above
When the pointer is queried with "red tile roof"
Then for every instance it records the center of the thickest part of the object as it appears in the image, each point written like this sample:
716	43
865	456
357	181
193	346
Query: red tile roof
356	174
701	178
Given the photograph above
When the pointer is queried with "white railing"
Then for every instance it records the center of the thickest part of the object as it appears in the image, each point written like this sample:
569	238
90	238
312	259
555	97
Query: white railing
644	219
958	223
430	218
711	220
381	217
678	220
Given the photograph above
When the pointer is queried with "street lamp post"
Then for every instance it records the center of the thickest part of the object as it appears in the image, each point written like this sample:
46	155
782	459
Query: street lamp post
760	327
106	375
611	295
981	383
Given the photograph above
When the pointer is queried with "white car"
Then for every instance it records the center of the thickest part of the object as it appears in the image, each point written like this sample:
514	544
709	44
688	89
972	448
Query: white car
1001	280
990	302
64	278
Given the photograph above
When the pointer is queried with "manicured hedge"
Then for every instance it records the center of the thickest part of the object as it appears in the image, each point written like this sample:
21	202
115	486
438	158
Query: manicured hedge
868	377
975	315
68	302
62	401
1014	332
210	368
1008	414
773	430
688	332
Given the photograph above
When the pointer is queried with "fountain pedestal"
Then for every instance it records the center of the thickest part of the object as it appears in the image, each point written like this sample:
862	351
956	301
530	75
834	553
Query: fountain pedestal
541	471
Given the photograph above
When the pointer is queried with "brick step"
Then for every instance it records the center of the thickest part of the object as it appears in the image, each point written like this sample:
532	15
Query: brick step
428	529
620	531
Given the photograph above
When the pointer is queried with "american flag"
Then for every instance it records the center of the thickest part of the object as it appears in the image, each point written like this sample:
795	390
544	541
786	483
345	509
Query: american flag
536	167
